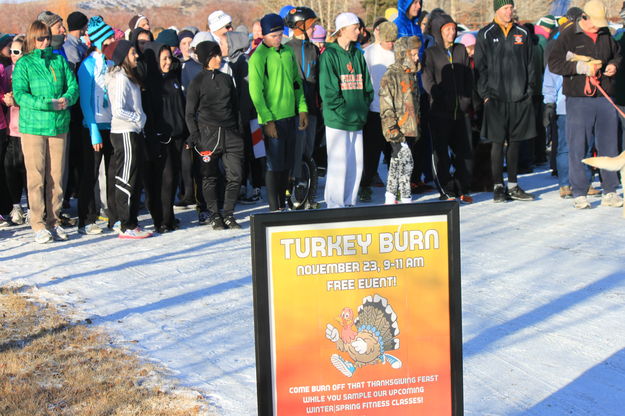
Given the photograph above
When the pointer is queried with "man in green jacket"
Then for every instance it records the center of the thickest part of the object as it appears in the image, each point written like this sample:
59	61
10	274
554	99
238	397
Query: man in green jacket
276	90
44	87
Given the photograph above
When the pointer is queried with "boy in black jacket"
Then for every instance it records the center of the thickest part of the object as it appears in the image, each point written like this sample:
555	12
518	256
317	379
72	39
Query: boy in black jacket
448	80
213	121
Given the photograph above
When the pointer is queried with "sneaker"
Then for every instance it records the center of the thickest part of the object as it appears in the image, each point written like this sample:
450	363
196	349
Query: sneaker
390	198
445	197
66	220
216	222
3	222
252	199
90	229
467	199
566	192
611	199
519	194
500	194
43	237
202	217
231	223
17	215
406	200
593	191
117	227
59	233
311	205
365	194
581	202
299	195
135	234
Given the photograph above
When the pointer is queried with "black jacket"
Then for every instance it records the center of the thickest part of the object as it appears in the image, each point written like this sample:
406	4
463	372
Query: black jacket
211	104
573	39
307	57
504	65
449	84
165	100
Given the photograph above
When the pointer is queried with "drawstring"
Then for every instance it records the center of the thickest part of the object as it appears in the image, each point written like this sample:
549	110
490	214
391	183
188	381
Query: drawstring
590	89
206	154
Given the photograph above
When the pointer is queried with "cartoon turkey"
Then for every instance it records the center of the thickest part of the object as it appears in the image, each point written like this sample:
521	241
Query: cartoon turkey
376	334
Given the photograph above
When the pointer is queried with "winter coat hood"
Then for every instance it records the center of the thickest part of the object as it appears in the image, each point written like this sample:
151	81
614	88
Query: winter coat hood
404	5
134	35
437	24
403	45
238	44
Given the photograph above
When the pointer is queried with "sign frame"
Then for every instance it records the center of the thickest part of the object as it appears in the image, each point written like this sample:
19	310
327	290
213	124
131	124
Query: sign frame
260	276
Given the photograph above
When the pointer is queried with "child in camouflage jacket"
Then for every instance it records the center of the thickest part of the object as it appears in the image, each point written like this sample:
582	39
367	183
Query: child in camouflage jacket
399	111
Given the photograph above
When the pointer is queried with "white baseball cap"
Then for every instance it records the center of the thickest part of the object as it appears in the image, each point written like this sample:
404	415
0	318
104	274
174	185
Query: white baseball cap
344	20
218	19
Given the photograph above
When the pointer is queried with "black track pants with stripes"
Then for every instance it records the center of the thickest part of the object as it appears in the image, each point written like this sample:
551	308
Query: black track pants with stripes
129	150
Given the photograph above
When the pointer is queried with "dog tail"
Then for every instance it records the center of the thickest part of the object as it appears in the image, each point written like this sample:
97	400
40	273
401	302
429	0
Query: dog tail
609	163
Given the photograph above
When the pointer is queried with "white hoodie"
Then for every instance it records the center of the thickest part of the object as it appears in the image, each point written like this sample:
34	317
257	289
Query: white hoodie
125	96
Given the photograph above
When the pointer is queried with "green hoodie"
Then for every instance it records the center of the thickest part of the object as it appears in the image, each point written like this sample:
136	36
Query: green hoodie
38	78
345	87
274	83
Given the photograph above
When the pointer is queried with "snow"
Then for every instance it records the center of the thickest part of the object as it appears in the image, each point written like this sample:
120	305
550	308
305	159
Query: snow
543	291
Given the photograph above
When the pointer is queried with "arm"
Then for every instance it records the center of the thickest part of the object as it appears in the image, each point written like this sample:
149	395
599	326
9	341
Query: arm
368	86
300	98
388	114
71	91
616	53
481	66
550	86
121	84
193	101
531	70
21	90
256	74
427	75
329	83
557	59
86	81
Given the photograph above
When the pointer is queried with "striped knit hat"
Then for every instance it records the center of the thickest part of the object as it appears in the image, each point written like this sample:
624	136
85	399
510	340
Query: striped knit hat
548	22
98	31
498	4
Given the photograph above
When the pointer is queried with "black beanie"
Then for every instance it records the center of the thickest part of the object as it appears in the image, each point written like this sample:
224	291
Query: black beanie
76	21
117	51
206	50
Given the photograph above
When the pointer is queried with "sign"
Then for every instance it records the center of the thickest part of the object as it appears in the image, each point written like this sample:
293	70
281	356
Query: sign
357	311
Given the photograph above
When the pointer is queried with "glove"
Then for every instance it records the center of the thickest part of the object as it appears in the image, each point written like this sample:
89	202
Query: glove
588	68
395	148
332	333
549	114
270	131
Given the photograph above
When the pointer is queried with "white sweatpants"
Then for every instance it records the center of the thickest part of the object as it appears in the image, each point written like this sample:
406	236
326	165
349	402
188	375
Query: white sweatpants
344	167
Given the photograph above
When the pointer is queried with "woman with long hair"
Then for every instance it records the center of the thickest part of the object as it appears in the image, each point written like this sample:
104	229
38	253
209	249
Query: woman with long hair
44	87
127	122
96	142
14	170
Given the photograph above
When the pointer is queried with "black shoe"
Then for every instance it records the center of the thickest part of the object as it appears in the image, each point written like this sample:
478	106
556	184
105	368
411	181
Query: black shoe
520	195
231	223
500	194
216	222
184	204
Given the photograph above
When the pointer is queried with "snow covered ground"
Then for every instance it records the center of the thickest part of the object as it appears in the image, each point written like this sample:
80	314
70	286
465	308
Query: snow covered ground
543	288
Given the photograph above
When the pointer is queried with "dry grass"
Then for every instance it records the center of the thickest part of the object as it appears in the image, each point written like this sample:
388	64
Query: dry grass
52	366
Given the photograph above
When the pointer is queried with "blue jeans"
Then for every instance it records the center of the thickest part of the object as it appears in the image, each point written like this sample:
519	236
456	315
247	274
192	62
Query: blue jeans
562	154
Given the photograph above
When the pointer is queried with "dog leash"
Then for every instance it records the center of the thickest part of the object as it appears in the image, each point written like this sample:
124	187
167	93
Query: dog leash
590	89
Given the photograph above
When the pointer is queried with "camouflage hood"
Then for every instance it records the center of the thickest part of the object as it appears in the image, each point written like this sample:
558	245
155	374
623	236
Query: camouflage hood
402	46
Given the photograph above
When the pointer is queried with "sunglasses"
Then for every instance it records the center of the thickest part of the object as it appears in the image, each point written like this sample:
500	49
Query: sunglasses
16	52
43	38
228	26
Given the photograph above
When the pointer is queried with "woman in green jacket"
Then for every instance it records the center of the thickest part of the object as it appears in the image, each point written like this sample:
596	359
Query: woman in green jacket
346	92
45	88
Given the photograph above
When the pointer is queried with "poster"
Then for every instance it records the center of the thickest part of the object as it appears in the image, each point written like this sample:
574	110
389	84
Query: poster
358	314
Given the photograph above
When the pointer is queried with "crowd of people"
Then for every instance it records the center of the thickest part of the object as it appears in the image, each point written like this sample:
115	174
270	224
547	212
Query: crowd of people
186	117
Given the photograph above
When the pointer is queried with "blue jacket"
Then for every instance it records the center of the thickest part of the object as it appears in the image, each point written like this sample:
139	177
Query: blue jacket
552	91
406	26
94	102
